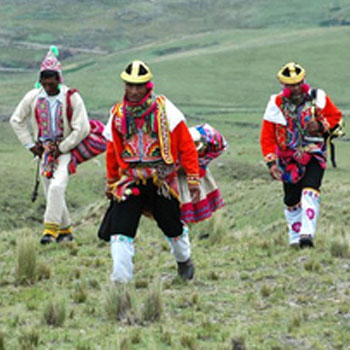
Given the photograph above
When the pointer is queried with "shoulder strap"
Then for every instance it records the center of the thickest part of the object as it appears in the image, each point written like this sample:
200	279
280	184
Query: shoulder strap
69	110
313	94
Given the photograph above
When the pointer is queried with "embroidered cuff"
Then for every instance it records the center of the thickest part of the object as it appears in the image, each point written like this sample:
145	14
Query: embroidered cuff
193	179
111	181
271	157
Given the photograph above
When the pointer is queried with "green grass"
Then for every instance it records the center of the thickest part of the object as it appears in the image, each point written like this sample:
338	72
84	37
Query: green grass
250	288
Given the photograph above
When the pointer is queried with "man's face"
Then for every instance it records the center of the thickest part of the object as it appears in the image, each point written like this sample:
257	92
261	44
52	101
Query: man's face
295	89
50	85
135	92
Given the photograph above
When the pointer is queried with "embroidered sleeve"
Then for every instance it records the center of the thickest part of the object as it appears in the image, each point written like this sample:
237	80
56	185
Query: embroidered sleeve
331	114
187	151
268	141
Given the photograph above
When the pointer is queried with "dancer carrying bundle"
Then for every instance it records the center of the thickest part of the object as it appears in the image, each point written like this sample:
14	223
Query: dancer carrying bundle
295	125
148	137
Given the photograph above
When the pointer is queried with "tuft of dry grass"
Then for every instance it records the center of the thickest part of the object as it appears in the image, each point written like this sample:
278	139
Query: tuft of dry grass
79	293
340	249
119	304
153	306
2	340
28	339
26	261
54	313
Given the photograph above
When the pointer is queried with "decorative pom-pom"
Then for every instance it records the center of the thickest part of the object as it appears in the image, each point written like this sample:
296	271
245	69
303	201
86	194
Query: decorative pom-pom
128	192
135	191
37	85
149	85
286	92
54	50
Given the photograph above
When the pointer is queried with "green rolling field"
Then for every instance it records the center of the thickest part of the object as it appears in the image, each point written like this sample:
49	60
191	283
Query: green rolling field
217	61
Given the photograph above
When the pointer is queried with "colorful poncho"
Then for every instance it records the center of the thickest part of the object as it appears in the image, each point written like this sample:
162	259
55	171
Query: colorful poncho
296	147
284	137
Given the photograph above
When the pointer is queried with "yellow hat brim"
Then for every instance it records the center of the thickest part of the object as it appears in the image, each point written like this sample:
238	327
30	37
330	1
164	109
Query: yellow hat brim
291	80
136	80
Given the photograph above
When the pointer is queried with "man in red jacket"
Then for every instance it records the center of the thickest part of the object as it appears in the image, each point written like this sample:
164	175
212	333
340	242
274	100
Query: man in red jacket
295	124
148	139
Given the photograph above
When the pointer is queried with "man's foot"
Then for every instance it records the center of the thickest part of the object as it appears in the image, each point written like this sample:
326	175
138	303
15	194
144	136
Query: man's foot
186	269
47	239
306	241
65	238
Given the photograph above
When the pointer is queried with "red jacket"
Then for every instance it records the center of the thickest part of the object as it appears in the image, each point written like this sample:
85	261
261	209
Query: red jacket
182	149
272	127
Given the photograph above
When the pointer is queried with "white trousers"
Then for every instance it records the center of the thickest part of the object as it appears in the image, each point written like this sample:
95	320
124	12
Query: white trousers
122	252
302	218
54	191
310	205
180	246
293	217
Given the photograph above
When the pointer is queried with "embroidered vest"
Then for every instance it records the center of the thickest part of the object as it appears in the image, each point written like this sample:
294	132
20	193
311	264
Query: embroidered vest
146	143
294	135
49	128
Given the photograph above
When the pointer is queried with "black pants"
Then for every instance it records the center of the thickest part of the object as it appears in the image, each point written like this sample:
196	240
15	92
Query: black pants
312	179
125	215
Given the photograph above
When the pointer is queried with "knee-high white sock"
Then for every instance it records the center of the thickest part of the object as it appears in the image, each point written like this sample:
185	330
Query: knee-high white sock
310	206
180	246
122	251
293	217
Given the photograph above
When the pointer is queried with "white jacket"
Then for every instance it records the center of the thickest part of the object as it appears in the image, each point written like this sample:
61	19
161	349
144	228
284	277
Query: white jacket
73	132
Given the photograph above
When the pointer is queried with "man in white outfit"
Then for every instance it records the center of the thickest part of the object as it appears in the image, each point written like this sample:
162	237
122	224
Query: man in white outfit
59	123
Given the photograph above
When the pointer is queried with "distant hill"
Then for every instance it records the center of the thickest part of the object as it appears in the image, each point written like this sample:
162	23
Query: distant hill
108	25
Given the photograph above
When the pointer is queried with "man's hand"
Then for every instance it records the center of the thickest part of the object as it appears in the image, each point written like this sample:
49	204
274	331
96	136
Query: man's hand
313	127
195	192
37	149
56	151
275	172
108	191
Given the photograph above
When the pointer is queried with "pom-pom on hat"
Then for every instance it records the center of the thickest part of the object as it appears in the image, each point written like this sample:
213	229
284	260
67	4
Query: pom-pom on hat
52	63
291	73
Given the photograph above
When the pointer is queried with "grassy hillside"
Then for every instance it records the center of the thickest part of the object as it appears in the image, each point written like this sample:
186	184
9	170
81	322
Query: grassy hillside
218	64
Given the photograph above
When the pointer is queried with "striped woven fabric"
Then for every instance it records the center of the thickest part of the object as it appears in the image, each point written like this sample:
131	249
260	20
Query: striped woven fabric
93	145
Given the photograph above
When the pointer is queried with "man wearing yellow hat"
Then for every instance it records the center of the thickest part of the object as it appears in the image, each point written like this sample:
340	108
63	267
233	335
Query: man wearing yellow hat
295	124
148	141
55	135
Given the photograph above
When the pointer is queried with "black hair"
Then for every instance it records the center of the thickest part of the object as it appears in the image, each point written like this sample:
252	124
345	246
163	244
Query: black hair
48	73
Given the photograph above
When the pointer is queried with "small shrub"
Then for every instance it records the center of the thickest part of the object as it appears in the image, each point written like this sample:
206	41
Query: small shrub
153	306
2	340
340	249
43	272
54	313
72	247
119	305
83	346
26	260
188	341
93	283
143	283
124	344
265	291
312	265
136	336
165	337
238	343
217	228
28	339
79	294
